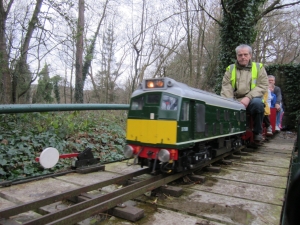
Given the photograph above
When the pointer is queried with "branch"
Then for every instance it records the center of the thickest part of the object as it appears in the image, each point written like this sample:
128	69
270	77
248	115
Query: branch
217	21
224	8
273	7
9	6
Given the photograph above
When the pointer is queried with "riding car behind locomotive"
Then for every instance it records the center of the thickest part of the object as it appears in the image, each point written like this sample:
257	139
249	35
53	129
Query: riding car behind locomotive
172	127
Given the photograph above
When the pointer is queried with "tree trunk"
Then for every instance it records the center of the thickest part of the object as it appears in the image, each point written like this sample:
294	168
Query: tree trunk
5	76
189	43
79	53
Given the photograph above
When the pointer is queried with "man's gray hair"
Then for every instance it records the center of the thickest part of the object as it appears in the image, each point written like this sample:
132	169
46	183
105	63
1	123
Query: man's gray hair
271	76
238	48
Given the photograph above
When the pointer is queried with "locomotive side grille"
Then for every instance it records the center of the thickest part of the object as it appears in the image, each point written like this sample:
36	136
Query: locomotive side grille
206	129
200	117
237	116
243	117
214	131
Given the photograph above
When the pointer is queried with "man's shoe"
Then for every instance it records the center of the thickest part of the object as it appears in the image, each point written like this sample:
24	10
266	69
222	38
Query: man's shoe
258	137
269	131
277	128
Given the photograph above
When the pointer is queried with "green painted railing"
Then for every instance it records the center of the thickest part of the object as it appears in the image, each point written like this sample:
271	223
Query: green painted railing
24	108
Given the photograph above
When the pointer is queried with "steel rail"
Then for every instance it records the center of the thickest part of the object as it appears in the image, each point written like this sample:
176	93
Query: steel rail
6	213
130	191
85	209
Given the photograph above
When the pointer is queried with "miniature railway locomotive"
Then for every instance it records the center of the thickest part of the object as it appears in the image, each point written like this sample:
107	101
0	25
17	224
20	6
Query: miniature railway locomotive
172	127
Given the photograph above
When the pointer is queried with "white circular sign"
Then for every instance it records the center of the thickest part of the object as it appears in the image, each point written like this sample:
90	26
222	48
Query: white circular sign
49	157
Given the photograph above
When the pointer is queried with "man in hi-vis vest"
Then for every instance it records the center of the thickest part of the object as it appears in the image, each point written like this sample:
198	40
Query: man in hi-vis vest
247	81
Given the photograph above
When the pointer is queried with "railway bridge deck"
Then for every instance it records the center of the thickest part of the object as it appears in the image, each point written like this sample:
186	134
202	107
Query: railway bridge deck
248	190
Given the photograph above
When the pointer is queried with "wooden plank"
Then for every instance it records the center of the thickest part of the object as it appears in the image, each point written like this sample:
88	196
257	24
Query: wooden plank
87	179
242	190
278	171
251	178
168	217
284	147
280	154
5	204
31	191
227	209
266	160
214	169
123	167
267	148
272	150
226	162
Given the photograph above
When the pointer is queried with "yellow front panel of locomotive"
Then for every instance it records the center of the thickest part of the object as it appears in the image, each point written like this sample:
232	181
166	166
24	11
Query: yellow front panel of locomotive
152	131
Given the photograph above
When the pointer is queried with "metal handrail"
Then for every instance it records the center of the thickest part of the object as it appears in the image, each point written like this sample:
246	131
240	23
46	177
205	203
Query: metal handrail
24	108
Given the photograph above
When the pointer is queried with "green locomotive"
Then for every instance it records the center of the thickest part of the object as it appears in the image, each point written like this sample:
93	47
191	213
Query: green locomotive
173	127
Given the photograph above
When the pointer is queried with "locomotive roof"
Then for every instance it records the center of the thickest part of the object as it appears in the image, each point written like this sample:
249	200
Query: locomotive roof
180	89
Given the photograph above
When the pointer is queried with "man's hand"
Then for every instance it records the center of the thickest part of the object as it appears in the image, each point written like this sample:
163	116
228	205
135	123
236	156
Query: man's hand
245	101
277	106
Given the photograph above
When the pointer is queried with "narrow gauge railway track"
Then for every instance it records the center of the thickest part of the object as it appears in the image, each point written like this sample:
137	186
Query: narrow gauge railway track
6	213
83	210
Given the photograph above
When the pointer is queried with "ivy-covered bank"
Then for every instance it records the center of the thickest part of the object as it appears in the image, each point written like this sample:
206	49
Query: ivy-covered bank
288	79
24	136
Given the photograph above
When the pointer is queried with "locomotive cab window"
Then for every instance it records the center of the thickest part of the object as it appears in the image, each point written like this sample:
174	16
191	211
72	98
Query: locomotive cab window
137	103
169	102
153	98
185	111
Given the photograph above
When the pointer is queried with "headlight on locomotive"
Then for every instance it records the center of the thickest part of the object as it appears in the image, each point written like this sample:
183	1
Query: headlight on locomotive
128	151
164	155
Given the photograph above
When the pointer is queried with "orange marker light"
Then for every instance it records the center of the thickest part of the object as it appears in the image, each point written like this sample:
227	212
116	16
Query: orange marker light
155	83
159	83
150	84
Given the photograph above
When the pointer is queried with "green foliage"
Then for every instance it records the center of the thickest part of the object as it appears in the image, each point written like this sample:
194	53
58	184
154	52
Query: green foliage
237	27
21	82
55	80
44	88
290	74
24	136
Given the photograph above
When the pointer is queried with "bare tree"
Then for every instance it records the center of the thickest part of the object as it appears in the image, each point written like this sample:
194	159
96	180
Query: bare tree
277	40
21	68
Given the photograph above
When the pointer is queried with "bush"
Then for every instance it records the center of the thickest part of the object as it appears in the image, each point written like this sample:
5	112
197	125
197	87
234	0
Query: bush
24	136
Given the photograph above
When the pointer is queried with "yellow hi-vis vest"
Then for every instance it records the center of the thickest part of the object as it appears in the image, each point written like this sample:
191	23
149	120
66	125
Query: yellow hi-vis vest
254	71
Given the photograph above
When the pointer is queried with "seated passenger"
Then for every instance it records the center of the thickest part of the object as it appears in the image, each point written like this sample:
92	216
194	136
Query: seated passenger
247	82
278	105
273	96
266	120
